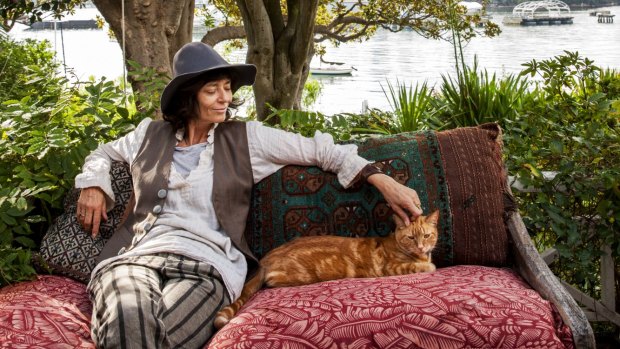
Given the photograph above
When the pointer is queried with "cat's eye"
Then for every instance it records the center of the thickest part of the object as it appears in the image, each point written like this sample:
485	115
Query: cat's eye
426	236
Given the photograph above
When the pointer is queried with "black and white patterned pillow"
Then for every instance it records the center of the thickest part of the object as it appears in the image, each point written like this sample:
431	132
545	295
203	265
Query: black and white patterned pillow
70	251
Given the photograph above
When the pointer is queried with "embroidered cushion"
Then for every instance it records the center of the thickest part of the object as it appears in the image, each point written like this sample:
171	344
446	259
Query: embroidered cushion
459	172
454	307
50	312
67	248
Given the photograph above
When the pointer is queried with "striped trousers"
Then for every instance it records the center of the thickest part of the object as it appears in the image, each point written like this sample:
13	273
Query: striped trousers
157	301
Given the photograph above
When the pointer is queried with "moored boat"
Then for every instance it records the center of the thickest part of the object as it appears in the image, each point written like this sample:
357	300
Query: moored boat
540	12
331	70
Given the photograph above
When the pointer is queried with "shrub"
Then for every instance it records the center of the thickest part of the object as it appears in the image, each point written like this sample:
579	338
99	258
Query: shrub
414	109
572	131
473	97
18	62
44	137
342	126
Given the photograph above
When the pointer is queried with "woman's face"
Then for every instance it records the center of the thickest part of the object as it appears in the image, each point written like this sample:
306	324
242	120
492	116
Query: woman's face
213	100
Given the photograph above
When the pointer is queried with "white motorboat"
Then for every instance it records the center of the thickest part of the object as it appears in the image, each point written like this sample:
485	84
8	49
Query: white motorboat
331	70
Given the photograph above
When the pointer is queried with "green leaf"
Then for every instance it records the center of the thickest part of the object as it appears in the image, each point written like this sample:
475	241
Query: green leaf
34	219
10	258
533	170
556	146
7	219
16	212
123	112
5	234
26	242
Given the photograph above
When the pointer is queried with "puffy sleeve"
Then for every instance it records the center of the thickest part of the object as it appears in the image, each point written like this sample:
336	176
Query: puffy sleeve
96	169
271	149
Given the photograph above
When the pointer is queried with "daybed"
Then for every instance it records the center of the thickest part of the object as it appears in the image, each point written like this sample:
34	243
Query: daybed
491	289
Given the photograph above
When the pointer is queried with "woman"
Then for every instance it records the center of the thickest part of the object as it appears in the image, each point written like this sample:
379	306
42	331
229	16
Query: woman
193	173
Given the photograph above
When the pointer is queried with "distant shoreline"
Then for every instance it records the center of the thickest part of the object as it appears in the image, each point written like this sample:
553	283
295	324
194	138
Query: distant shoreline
582	6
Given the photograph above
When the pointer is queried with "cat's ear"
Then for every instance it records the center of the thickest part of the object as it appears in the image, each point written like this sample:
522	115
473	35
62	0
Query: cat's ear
399	222
433	218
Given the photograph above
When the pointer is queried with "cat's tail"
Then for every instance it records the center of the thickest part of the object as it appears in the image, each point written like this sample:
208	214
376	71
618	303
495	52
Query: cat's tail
249	289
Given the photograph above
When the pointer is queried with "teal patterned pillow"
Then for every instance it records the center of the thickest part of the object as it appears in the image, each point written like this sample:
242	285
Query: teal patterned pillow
458	172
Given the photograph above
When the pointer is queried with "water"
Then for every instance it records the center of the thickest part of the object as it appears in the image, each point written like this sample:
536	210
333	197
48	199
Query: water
403	56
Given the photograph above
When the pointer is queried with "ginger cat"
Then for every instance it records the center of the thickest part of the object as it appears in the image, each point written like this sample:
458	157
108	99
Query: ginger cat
312	259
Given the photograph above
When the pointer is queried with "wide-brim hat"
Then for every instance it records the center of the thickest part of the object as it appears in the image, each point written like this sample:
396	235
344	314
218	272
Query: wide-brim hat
197	58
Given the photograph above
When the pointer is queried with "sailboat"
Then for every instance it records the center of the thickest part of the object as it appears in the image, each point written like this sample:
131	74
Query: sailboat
331	68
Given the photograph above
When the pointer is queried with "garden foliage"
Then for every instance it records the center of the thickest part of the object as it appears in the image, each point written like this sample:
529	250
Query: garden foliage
48	125
570	128
561	135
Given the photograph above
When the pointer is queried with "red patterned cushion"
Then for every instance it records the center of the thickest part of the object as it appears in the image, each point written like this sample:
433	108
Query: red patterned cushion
455	307
51	312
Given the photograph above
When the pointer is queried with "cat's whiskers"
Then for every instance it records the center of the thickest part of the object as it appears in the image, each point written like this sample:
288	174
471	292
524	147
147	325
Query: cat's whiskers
407	251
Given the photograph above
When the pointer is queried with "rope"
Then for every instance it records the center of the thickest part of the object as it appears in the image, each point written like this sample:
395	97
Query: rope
62	42
123	46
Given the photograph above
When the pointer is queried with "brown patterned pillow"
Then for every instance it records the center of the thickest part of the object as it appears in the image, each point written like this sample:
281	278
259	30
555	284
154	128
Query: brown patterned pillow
69	250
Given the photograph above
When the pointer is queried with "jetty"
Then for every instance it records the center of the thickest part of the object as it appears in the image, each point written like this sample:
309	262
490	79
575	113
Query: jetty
70	24
545	12
605	17
82	18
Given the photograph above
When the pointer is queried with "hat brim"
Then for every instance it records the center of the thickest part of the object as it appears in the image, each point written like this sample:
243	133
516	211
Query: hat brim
241	75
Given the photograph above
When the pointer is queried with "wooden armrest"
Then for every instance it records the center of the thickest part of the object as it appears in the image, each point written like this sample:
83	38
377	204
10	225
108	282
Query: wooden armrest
535	271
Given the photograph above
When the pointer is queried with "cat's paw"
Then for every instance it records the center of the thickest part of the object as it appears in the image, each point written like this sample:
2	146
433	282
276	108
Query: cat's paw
426	267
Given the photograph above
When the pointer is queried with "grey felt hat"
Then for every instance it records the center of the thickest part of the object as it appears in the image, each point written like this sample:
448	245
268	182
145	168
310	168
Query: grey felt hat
197	58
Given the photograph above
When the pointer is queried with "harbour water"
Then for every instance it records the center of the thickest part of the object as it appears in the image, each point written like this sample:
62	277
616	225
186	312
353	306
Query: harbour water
404	57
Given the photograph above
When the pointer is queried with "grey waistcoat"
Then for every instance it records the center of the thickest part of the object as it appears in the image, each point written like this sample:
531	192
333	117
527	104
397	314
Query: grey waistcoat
232	185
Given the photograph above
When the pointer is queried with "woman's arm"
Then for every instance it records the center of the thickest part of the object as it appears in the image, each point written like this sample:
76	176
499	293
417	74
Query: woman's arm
272	149
97	196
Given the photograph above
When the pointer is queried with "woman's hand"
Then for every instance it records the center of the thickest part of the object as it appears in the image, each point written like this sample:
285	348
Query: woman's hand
402	199
91	208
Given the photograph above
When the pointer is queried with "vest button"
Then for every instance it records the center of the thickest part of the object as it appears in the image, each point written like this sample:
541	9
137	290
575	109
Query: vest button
121	251
147	226
157	209
162	193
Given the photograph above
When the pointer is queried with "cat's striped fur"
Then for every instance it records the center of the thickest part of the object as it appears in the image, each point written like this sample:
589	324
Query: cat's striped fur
312	259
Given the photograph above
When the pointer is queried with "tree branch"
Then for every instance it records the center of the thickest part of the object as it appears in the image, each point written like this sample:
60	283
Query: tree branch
219	34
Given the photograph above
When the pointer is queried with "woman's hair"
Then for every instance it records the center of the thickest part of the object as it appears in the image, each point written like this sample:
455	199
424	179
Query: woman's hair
184	103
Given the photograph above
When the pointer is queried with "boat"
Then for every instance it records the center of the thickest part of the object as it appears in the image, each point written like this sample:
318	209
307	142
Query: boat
331	70
540	12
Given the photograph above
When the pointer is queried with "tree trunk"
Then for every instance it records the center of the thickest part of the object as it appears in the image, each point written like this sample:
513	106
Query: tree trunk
279	47
154	31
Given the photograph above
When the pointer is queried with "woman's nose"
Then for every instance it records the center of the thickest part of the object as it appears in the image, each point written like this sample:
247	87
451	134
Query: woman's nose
224	96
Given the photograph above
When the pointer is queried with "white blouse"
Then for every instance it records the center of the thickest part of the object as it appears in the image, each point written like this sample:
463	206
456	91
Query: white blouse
187	224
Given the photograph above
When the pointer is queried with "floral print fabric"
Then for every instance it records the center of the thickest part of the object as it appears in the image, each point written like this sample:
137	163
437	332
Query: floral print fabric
51	312
454	307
